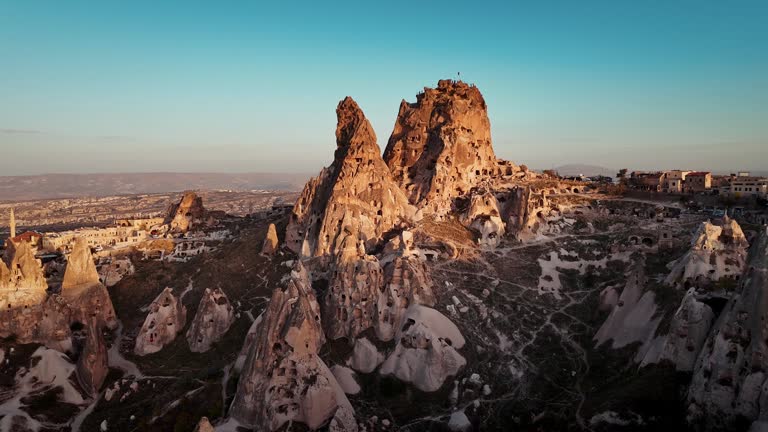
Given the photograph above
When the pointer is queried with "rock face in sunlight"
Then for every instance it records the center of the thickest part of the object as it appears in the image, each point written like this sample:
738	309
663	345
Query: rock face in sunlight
441	146
426	349
213	318
269	247
92	365
166	318
84	293
349	307
407	282
188	214
484	216
283	378
356	193
729	377
32	315
22	282
81	272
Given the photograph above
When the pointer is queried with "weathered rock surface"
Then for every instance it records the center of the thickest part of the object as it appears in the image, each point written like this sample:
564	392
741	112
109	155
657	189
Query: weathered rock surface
484	216
30	314
284	379
426	352
87	297
687	332
407	281
92	365
22	282
349	307
729	379
365	356
166	318
80	273
441	145
355	194
717	251
633	318
188	214
269	247
213	318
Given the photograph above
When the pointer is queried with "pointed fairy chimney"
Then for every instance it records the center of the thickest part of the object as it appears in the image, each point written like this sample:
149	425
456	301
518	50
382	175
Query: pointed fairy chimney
13	224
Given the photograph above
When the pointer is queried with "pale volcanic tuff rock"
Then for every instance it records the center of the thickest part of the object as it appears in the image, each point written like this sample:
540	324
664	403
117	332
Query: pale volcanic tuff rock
31	315
80	273
729	379
283	378
269	247
356	193
213	318
426	352
22	282
349	307
188	214
364	292
484	216
716	251
407	282
687	332
441	147
166	318
82	289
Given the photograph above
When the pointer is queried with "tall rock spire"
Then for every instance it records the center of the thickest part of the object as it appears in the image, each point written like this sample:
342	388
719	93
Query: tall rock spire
355	194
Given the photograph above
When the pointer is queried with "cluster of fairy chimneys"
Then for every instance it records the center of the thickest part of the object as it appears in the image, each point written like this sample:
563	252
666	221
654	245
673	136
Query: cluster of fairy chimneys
167	317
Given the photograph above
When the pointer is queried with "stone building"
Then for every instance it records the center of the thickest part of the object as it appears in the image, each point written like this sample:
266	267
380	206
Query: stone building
744	187
698	181
674	181
649	181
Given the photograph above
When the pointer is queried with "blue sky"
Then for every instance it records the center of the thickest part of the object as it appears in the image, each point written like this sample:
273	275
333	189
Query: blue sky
241	86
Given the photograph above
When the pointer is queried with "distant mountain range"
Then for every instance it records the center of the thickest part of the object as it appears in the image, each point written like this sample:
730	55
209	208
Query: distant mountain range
47	186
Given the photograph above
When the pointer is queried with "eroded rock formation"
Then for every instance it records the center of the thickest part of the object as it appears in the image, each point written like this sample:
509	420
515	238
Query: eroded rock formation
349	307
441	146
426	352
484	216
87	297
729	379
717	251
284	379
213	318
407	282
188	214
166	318
92	365
22	282
355	194
269	247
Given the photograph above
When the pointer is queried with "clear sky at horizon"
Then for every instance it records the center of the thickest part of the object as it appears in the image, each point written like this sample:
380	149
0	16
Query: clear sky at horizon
249	87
